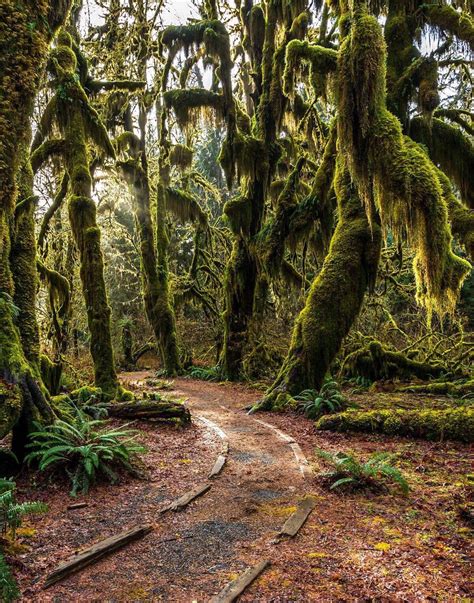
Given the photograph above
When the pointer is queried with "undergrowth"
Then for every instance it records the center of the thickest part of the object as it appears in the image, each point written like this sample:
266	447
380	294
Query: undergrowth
85	450
349	472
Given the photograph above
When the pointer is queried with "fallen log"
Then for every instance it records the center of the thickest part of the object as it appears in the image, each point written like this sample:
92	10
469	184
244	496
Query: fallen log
237	586
94	553
154	410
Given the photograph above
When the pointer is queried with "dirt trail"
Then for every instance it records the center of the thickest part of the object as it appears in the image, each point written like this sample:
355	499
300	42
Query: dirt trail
218	535
355	546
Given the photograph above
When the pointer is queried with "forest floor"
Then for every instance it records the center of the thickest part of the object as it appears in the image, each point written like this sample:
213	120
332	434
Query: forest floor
358	546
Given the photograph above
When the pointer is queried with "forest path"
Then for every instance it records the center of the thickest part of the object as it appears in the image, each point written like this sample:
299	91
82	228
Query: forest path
232	526
192	554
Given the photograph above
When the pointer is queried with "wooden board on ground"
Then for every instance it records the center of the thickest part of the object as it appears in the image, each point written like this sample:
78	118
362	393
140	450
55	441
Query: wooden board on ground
184	500
293	524
237	586
218	466
79	505
95	552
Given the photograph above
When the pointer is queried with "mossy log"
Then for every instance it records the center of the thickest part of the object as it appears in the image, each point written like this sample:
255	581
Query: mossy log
375	362
441	388
445	424
160	411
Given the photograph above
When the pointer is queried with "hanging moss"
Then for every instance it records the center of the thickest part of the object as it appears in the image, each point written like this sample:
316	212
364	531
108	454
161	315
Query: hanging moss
449	20
194	104
239	214
446	424
450	149
185	206
460	217
393	175
181	156
321	61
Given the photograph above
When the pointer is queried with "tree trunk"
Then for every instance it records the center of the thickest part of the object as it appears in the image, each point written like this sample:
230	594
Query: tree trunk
334	300
23	53
241	281
82	215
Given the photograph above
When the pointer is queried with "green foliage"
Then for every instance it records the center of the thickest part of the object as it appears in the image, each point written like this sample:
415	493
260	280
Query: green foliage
85	450
9	590
329	399
205	374
375	472
11	511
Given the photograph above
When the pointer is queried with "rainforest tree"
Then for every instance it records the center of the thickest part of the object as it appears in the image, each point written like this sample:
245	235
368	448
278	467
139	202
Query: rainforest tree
25	33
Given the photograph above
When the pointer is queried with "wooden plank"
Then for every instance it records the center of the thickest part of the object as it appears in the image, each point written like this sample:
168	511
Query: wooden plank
293	524
79	505
184	500
94	553
218	466
237	586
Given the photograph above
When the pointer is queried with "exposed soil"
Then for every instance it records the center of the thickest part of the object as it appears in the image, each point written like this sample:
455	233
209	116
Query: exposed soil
354	547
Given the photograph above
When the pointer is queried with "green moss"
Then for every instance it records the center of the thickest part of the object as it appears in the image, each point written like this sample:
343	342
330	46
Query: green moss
181	156
394	176
449	20
376	362
335	297
185	206
51	374
450	149
322	61
449	424
192	105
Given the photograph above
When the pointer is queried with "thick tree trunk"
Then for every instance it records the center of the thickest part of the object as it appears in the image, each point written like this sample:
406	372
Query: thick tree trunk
241	280
334	300
23	53
163	313
82	215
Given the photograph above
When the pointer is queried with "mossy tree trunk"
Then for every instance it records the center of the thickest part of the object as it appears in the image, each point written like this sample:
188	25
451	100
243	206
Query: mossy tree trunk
335	297
25	33
82	215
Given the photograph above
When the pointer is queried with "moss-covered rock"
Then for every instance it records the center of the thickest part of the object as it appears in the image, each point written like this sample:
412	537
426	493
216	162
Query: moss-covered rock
449	424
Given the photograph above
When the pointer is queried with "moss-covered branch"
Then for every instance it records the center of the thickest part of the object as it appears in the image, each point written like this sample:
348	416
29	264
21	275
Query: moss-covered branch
185	206
322	61
394	176
449	148
449	20
192	104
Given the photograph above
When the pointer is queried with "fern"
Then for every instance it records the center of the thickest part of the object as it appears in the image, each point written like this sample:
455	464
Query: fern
329	399
12	512
9	590
205	374
349	471
85	450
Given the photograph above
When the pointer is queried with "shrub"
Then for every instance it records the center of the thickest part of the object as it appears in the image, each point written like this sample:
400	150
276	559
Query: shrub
329	399
373	473
11	511
447	423
11	515
85	450
205	374
9	590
